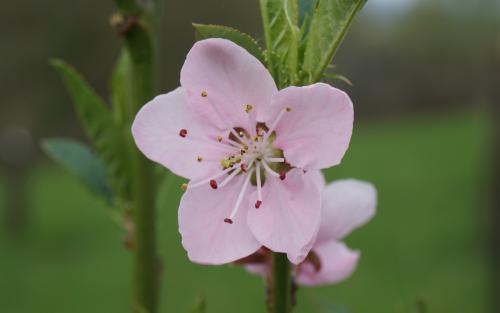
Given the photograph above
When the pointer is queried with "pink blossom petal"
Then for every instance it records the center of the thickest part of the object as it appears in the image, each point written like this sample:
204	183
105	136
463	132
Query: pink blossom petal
319	178
288	218
316	132
167	133
229	78
347	204
337	262
205	235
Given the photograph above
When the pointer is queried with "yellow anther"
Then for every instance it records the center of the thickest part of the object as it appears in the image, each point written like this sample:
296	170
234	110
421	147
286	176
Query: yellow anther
203	93
184	187
199	159
288	109
236	159
225	163
219	138
248	108
245	146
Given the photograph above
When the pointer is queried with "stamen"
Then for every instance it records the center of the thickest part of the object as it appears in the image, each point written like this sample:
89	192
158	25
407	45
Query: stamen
203	182
244	167
248	108
199	159
213	143
228	220
259	187
184	186
219	138
269	170
213	184
276	121
237	144
275	160
240	197
230	177
203	93
282	175
183	133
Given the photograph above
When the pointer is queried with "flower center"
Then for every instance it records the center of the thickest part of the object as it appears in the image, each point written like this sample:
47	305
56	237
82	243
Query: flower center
250	154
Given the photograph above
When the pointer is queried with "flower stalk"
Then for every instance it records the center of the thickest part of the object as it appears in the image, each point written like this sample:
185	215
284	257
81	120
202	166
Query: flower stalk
280	285
131	25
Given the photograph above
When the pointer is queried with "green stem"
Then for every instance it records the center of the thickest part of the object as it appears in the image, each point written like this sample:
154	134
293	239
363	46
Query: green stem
138	41
280	289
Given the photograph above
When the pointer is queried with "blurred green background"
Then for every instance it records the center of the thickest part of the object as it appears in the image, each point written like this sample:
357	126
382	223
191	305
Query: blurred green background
425	89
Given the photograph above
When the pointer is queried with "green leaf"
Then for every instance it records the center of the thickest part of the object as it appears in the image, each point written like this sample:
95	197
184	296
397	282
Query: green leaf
338	77
203	31
78	159
306	8
121	89
282	33
329	24
109	141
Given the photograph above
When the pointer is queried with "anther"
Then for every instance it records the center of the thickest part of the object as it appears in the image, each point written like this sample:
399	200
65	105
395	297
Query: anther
257	204
219	138
184	186
282	175
183	133
248	108
213	184
203	93
244	167
288	109
199	159
228	220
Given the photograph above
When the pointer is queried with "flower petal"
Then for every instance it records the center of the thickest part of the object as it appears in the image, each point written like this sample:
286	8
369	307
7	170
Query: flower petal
221	78
205	235
347	204
337	262
157	133
288	218
316	132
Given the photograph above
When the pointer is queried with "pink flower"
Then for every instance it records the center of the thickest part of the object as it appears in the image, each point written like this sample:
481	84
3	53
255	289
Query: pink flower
346	205
247	150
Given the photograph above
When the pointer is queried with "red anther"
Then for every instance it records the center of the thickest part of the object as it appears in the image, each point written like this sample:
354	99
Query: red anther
183	132
213	184
257	204
282	175
244	167
228	220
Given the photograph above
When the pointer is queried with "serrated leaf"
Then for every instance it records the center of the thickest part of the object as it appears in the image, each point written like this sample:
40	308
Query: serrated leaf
78	159
203	31
282	33
109	141
329	24
121	89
